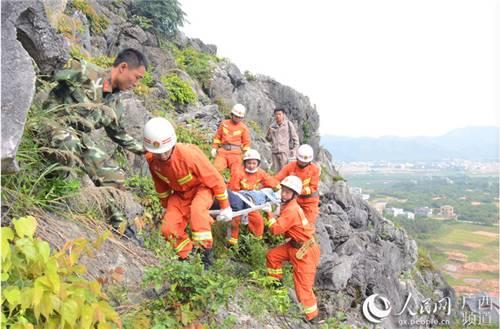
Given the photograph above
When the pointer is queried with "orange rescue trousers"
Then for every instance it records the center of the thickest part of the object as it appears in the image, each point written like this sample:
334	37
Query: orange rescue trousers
193	211
228	159
255	225
304	272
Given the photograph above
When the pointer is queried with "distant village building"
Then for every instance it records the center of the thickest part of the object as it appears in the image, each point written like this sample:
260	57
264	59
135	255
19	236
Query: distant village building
447	211
423	211
394	211
409	215
365	197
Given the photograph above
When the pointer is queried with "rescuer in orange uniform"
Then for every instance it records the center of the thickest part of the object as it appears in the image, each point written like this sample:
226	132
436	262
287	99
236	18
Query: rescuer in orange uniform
300	250
250	177
186	183
309	172
232	137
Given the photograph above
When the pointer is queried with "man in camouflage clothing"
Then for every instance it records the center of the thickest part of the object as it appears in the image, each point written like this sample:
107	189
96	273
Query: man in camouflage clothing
90	99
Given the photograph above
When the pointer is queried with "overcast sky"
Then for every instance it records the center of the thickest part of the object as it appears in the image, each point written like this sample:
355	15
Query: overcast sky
372	67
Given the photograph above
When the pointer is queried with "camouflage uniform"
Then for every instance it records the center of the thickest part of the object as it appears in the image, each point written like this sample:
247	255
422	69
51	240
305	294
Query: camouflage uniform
87	106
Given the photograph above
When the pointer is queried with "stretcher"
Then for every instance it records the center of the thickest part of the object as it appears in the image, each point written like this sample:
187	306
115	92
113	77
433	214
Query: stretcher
271	197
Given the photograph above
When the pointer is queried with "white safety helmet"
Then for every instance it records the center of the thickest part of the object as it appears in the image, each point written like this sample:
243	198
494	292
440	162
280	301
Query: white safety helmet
251	154
159	135
305	153
238	110
292	182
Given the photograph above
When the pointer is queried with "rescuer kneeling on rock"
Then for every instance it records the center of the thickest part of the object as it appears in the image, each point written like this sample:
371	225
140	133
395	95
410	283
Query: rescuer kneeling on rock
186	183
300	250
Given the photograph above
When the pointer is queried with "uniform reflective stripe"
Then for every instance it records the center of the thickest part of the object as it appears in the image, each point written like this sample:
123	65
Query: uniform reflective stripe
198	236
217	141
237	132
310	309
163	195
274	270
182	245
246	148
303	217
221	197
306	181
225	130
307	190
233	241
272	221
185	179
163	178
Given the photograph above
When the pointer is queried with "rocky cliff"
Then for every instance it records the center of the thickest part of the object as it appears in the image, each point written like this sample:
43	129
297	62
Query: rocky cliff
362	253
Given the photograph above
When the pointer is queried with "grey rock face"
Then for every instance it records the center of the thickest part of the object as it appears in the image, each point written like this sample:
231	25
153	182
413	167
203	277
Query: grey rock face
363	254
27	36
182	41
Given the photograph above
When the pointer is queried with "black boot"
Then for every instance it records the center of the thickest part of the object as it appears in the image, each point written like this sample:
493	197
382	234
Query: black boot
207	258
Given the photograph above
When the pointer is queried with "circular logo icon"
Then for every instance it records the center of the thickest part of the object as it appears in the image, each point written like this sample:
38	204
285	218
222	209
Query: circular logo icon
156	144
372	312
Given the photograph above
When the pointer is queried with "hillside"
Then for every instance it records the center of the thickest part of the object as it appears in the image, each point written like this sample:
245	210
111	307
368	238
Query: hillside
470	143
361	253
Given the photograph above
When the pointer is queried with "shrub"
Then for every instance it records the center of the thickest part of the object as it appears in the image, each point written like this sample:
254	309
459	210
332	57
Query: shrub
48	289
194	135
192	290
179	91
40	183
98	23
143	22
165	16
424	261
197	64
148	81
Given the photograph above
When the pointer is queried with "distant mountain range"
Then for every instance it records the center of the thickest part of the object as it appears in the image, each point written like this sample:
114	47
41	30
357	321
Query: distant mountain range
470	143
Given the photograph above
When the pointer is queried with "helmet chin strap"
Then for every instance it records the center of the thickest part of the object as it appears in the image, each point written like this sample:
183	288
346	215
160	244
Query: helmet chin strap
251	171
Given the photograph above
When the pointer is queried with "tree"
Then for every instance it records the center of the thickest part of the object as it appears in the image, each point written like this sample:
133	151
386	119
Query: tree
166	16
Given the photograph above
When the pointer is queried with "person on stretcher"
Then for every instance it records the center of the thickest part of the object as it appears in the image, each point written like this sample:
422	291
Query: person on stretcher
250	178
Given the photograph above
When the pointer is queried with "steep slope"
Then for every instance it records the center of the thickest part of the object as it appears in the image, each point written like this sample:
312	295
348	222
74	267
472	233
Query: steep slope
362	254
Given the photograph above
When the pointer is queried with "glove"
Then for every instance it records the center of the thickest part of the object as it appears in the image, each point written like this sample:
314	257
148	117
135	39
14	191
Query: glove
213	152
226	214
267	207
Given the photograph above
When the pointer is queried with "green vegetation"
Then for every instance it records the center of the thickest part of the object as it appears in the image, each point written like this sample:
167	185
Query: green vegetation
141	21
423	261
40	183
179	91
255	127
472	197
197	64
164	17
46	289
98	23
308	132
192	291
249	76
102	61
194	135
223	107
145	84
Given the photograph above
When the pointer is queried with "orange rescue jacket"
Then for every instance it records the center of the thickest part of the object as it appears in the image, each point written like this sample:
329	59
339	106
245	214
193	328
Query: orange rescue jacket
293	223
242	180
186	169
309	176
229	133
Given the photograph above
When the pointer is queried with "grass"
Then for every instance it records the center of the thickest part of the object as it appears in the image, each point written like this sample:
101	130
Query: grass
453	238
